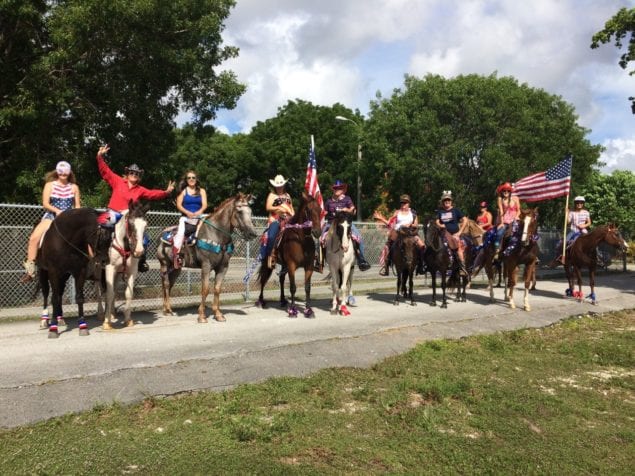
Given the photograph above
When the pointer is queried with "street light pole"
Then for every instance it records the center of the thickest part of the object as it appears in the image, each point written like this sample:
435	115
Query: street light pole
358	204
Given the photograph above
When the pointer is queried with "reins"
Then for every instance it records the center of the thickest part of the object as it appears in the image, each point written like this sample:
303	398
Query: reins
86	255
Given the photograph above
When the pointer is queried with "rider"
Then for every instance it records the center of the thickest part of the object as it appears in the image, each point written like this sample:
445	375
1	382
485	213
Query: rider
340	202
579	219
453	221
191	202
125	189
60	193
508	212
280	208
484	218
403	216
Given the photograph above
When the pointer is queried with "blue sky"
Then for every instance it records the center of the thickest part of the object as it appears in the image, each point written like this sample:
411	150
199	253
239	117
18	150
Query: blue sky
345	50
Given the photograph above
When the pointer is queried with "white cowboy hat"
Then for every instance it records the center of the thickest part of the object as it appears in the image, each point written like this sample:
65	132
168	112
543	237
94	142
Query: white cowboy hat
579	198
278	181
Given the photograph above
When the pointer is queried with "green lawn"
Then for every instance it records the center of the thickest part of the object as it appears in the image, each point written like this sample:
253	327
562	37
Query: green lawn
559	400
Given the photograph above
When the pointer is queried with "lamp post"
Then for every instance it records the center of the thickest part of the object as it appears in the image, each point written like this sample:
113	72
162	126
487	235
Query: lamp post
359	162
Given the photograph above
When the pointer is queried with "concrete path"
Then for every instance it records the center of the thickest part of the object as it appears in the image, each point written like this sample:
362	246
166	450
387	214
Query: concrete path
43	378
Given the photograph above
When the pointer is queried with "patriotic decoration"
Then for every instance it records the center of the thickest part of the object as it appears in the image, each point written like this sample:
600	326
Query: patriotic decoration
311	184
553	183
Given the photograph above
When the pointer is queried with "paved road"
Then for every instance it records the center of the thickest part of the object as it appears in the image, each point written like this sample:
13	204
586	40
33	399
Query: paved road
43	378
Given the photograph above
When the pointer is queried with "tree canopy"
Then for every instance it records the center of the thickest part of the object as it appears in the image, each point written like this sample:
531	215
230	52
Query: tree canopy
617	28
79	73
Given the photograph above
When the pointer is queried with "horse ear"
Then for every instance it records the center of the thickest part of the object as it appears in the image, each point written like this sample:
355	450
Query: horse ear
130	204
146	207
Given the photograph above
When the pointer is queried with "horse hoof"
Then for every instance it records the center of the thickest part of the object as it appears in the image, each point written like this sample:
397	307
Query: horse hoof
284	303
44	324
53	334
412	303
527	308
444	305
308	313
61	322
433	304
220	318
334	312
292	311
202	320
106	326
351	301
129	323
396	302
260	303
84	332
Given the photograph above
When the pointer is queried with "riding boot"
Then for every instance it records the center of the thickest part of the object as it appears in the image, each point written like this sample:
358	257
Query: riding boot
319	259
29	267
462	268
420	261
362	264
176	258
143	264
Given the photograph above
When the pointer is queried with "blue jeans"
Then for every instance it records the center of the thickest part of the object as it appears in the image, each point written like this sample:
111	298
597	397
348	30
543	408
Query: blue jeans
272	232
500	232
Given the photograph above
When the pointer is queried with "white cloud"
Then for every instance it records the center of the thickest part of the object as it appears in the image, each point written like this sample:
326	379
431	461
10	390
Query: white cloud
619	154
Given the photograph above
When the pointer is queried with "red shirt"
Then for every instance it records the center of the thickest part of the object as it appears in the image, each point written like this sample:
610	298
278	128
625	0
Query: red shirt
121	192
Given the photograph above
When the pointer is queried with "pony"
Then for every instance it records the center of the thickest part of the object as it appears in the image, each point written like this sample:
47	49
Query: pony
404	259
65	252
123	258
212	251
340	256
583	254
296	249
520	248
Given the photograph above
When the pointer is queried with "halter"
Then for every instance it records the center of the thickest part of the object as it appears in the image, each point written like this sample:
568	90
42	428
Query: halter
124	250
213	246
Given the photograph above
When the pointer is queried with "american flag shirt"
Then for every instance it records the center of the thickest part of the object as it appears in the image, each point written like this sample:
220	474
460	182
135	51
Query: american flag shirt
62	197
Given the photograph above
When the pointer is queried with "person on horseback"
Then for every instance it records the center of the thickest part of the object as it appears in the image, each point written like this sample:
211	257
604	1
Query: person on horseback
280	209
403	216
484	218
508	212
60	193
579	219
340	202
192	203
453	222
126	188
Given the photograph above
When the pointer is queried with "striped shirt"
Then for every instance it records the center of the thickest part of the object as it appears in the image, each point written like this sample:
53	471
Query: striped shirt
62	197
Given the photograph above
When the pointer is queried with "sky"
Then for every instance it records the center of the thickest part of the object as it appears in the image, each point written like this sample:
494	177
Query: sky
345	51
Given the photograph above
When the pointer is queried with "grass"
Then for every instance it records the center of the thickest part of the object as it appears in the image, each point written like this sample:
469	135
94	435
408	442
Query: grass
559	400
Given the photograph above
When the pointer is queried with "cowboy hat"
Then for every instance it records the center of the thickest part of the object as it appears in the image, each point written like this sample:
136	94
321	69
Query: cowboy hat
339	185
404	198
504	187
579	198
447	195
133	168
278	181
483	205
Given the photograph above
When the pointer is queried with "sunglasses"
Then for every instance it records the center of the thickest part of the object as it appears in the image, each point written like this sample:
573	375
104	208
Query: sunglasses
132	172
191	177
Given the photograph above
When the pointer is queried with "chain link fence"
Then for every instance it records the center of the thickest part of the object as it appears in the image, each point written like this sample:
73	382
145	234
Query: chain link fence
18	299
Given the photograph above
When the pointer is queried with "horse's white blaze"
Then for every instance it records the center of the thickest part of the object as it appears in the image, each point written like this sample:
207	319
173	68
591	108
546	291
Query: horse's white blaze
140	227
526	222
340	256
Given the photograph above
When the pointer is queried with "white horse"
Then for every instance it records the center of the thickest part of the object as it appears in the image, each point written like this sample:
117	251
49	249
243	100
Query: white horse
123	258
340	256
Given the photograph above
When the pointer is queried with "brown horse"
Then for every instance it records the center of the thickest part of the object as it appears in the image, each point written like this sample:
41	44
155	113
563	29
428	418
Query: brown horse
583	254
214	248
404	259
296	249
521	248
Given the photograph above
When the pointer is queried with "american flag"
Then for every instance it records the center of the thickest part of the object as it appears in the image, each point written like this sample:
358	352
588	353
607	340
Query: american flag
553	183
311	184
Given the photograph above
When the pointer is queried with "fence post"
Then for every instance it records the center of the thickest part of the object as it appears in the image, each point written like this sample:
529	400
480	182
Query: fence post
247	268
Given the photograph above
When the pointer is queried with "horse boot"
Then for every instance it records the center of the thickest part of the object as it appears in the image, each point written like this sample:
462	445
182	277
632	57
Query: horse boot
362	264
143	264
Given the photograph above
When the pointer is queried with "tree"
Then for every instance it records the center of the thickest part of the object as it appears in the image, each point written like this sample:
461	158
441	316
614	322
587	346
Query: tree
88	72
619	26
468	134
611	199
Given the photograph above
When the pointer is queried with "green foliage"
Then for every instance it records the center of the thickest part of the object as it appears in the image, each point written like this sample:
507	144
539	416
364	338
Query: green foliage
468	134
618	27
611	199
106	71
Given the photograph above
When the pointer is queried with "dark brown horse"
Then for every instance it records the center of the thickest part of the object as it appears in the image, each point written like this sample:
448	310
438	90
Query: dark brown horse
404	259
296	250
521	248
437	259
65	253
583	254
214	248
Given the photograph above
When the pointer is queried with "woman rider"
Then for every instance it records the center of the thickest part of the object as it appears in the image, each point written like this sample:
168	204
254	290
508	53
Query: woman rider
192	203
279	208
508	212
127	188
453	222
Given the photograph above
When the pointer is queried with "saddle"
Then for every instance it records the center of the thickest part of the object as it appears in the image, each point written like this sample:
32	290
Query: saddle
167	235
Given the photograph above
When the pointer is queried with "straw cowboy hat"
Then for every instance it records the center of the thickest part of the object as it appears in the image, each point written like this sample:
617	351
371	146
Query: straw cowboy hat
404	198
278	181
579	198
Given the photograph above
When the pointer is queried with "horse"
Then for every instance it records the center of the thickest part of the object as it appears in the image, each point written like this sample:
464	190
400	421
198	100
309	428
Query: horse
296	249
404	259
583	253
123	258
437	259
65	251
520	248
212	251
340	256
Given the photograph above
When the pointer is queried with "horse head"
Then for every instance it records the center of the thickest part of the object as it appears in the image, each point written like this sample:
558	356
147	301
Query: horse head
342	224
407	246
529	220
309	211
614	237
241	215
135	224
432	234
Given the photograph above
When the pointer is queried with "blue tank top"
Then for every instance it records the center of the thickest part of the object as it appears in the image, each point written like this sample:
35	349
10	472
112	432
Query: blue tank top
192	203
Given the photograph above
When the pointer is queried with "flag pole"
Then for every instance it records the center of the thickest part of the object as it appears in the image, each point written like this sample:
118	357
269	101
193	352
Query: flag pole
312	142
564	232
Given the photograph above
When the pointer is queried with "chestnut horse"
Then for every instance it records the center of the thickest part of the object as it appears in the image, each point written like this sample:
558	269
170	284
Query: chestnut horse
583	254
296	249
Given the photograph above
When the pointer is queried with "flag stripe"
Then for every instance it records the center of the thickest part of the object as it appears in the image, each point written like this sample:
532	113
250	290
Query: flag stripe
311	184
554	183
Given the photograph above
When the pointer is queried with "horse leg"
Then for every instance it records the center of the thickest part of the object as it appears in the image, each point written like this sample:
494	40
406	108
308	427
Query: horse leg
110	297
578	276
128	322
44	285
433	273
592	284
264	275
58	282
335	291
292	310
283	299
511	283
444	302
218	284
529	273
350	299
80	279
308	310
206	270
166	286
396	301
410	284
